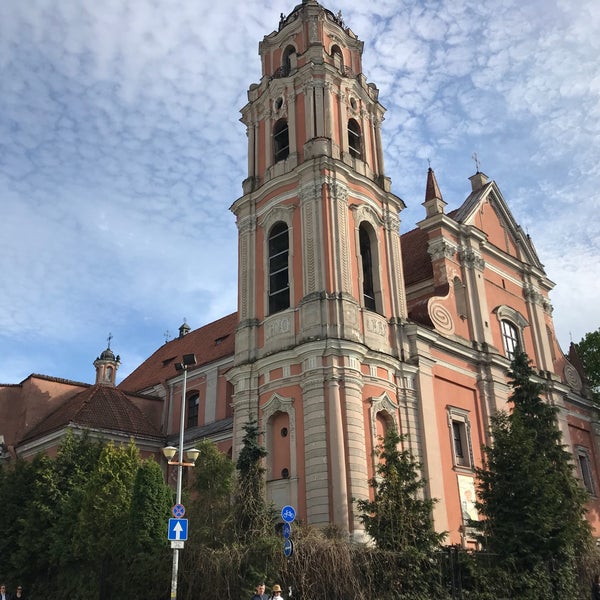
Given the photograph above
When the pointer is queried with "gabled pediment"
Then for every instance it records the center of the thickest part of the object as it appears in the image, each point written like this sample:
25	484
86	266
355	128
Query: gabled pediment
486	210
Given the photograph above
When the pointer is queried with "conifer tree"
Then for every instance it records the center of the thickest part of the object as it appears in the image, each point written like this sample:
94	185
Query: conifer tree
399	518
531	504
253	515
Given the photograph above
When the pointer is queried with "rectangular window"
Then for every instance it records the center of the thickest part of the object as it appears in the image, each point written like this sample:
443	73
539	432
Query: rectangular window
460	436
193	405
585	469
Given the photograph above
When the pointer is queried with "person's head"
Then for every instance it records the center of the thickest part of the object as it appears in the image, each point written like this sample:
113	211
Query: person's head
260	589
276	590
2	588
19	590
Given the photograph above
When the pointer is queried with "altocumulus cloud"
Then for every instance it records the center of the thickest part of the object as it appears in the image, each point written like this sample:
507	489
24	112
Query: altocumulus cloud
121	153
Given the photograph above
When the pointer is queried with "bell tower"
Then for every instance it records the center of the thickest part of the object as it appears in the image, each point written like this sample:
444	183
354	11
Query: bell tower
321	294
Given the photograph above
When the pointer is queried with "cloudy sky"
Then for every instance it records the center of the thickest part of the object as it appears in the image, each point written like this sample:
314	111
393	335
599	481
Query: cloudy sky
121	152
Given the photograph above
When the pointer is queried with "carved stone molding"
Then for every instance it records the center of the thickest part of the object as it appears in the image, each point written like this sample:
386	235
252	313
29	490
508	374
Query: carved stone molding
441	318
277	213
572	377
471	259
441	248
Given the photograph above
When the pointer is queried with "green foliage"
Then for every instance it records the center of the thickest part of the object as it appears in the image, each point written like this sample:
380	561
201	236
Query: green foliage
399	518
252	515
532	504
588	350
150	507
210	505
68	523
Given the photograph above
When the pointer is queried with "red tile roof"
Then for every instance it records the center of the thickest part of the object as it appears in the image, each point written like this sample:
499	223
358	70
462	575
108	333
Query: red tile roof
415	258
209	343
97	407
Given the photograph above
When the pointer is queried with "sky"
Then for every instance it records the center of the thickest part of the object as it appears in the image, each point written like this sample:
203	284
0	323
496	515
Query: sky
121	152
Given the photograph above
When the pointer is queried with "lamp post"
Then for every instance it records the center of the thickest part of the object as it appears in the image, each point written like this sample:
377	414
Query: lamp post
169	453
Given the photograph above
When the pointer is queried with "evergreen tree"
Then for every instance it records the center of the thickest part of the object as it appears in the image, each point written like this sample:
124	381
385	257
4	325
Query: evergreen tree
588	350
210	508
252	514
399	518
532	505
148	548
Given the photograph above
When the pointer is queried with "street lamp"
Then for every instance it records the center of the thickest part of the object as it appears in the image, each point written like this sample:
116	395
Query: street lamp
192	454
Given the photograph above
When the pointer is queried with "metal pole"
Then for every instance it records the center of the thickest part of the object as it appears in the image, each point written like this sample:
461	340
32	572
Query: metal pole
179	483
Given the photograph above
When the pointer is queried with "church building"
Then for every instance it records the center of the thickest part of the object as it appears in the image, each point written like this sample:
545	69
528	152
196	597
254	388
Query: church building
345	327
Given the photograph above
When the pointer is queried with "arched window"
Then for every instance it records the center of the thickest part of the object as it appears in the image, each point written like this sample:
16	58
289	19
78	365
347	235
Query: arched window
279	282
286	65
281	140
510	338
354	139
366	256
338	57
193	404
109	373
512	323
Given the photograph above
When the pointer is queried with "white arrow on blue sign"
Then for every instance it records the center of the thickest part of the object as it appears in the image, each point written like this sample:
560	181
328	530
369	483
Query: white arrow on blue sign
178	530
288	514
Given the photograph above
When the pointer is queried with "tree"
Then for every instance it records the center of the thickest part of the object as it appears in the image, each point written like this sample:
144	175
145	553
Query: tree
399	518
588	350
532	505
211	496
149	511
253	515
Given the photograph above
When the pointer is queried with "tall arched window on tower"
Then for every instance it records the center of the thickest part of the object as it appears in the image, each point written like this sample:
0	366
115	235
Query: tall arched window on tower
286	65
338	58
354	139
279	282
281	140
368	254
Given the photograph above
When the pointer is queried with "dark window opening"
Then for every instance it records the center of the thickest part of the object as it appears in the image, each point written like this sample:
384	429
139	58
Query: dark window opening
284	431
287	61
285	473
367	268
586	471
354	139
281	142
193	404
279	287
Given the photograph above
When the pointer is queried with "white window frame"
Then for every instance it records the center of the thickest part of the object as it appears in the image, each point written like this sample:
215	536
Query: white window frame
508	316
459	422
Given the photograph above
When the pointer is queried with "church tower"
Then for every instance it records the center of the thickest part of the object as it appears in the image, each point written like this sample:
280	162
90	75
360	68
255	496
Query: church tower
321	297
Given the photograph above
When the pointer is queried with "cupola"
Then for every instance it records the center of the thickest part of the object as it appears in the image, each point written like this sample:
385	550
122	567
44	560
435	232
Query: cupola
106	366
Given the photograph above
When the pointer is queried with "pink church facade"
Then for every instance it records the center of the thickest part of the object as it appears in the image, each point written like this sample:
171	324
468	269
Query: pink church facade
345	327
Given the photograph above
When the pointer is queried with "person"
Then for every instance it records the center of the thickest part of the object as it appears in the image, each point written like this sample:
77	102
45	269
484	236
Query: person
3	593
276	589
19	595
260	593
596	588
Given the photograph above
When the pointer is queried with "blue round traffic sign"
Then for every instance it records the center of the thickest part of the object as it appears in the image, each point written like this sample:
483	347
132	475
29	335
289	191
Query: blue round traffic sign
288	514
288	547
286	530
178	511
